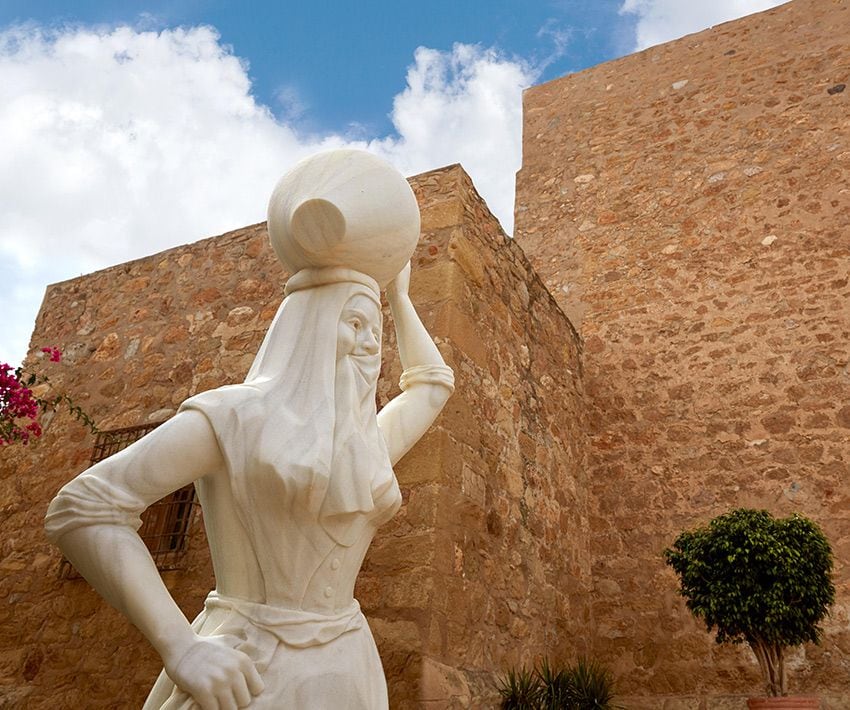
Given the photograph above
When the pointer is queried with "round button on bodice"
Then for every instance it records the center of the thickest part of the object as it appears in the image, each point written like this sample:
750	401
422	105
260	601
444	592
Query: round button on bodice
329	592
335	564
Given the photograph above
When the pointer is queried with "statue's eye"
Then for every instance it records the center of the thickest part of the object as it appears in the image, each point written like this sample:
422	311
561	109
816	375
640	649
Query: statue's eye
355	323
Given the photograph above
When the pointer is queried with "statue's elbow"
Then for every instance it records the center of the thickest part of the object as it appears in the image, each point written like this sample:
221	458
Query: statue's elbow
55	511
59	512
439	396
89	499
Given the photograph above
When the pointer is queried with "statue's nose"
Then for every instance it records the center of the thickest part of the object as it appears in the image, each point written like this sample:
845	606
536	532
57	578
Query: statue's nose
369	342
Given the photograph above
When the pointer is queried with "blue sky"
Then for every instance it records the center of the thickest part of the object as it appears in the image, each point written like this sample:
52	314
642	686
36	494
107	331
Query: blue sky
335	66
131	127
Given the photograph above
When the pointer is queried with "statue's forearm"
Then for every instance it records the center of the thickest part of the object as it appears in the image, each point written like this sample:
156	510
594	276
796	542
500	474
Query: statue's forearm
427	382
415	345
94	519
116	562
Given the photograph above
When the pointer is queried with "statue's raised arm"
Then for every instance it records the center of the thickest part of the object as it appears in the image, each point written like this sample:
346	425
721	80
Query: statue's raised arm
426	381
296	454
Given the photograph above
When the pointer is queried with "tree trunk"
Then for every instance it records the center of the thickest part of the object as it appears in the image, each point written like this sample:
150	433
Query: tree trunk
771	658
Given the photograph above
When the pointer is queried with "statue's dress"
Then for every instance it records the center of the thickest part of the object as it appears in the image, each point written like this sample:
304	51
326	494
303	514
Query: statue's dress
293	611
285	580
304	484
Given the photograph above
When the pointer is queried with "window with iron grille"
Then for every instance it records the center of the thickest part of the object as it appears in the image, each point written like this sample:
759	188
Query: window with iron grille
165	524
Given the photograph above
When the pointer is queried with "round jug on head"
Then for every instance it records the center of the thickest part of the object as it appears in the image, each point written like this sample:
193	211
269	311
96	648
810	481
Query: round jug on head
344	208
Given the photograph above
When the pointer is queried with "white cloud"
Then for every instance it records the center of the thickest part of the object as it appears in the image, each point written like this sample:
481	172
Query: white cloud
463	106
118	143
664	20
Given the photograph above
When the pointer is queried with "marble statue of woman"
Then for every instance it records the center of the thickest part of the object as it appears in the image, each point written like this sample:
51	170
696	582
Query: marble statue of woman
293	467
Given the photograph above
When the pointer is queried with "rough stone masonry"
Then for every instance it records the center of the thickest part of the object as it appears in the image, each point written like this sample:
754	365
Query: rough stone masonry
488	557
689	209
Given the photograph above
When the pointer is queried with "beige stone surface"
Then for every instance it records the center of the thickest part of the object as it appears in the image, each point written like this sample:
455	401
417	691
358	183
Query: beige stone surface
688	207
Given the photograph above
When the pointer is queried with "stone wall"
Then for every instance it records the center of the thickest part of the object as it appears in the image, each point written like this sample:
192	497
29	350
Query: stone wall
689	208
485	565
510	574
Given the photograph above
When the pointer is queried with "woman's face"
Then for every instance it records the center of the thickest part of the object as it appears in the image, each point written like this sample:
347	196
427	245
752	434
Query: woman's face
359	330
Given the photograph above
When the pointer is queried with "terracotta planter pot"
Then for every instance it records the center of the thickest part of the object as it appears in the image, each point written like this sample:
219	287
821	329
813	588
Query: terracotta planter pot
788	702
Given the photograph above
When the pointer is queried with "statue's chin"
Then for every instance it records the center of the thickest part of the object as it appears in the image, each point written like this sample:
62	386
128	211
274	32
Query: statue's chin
365	367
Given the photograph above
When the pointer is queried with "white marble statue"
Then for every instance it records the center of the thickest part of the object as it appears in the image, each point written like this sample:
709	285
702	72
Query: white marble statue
293	467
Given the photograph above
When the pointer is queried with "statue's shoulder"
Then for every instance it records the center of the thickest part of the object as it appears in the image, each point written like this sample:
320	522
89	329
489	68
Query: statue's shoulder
227	404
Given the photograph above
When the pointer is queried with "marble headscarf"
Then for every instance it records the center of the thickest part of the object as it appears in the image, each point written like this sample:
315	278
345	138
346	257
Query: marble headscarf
303	426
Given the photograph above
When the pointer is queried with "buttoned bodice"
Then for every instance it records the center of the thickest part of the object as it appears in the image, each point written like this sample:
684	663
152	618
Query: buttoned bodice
293	562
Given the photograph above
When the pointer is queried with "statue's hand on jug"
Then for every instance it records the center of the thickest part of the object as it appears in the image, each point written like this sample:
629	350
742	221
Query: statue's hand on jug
399	286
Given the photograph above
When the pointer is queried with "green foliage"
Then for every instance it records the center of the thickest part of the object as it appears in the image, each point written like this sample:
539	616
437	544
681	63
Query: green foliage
593	686
556	689
75	410
587	685
756	578
520	690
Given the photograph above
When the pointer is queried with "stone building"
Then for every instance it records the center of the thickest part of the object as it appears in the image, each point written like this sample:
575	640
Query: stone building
667	337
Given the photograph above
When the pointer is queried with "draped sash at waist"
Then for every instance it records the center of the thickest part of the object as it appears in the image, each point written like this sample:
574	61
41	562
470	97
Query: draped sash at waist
294	627
257	629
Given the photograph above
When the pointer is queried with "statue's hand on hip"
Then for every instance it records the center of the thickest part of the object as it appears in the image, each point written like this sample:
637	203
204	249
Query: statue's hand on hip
216	675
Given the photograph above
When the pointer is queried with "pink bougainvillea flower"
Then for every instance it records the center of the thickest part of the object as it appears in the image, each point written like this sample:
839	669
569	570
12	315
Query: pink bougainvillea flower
54	353
20	407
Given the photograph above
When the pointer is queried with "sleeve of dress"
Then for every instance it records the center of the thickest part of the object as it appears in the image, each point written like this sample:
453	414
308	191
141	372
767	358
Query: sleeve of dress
428	374
93	499
117	490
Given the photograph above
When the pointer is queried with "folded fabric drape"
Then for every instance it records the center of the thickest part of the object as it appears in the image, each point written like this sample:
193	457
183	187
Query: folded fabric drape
313	277
428	374
266	627
295	627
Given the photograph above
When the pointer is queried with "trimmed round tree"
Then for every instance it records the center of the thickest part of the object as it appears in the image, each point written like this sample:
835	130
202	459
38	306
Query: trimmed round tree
758	579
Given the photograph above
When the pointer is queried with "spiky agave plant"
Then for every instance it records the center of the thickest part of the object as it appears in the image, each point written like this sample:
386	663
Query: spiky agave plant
592	686
587	685
556	690
520	690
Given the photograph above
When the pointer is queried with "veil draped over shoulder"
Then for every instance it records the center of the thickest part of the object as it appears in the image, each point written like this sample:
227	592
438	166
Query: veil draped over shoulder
303	420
